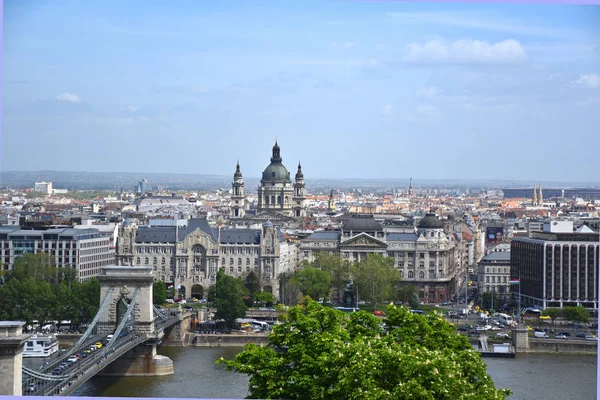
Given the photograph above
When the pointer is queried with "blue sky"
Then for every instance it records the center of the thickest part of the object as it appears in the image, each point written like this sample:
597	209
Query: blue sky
353	89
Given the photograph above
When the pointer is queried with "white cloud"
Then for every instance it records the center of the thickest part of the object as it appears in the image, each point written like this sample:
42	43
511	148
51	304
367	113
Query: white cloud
591	81
428	91
465	51
72	98
387	109
349	45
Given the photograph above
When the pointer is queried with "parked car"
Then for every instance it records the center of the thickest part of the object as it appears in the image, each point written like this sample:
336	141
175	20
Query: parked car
502	335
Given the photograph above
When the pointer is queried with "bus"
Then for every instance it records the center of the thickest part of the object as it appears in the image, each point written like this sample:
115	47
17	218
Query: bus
505	319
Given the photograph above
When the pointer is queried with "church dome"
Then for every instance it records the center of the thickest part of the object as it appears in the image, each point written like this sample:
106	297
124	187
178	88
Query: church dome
430	221
276	171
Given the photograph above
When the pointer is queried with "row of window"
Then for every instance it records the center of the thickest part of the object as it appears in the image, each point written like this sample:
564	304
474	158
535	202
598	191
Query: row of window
421	275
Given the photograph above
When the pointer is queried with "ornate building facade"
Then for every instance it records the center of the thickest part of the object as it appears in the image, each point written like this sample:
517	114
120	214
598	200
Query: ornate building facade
189	253
278	197
425	257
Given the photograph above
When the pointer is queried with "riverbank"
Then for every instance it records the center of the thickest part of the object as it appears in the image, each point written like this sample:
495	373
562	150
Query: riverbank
228	340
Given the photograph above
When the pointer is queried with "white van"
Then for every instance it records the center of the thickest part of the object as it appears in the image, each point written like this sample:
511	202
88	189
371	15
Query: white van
541	335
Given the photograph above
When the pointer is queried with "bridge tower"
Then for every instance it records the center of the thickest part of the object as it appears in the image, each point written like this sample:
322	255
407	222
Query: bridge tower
120	283
12	340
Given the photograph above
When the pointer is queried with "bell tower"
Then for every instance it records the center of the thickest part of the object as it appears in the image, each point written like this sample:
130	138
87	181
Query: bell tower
299	197
331	204
238	197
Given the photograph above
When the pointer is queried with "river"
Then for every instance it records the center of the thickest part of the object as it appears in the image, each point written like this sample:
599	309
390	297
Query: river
529	376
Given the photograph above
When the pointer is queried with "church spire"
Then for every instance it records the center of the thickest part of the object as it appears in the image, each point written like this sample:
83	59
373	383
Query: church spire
276	153
534	200
541	197
238	171
410	188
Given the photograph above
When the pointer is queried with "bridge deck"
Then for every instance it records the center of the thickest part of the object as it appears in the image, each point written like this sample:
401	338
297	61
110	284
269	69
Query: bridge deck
78	372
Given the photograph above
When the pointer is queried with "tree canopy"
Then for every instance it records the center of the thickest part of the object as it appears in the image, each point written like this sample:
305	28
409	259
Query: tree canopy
338	270
312	282
322	353
36	289
159	292
375	277
229	293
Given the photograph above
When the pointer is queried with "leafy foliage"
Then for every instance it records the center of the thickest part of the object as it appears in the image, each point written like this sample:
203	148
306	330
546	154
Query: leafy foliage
265	298
414	301
252	284
404	293
338	270
35	289
375	277
576	314
322	353
486	301
229	299
159	293
289	291
312	282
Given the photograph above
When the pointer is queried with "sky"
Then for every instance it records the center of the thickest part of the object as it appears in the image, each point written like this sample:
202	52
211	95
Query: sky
352	89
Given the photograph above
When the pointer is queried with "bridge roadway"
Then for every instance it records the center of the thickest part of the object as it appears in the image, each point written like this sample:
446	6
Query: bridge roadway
78	372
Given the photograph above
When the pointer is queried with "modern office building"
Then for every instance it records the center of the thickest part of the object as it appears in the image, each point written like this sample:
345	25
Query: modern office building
87	250
556	269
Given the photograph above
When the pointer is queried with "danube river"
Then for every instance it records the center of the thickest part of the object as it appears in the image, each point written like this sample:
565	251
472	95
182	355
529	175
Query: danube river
529	376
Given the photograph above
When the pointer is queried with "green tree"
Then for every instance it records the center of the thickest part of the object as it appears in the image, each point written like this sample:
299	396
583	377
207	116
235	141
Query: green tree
486	301
159	292
576	314
403	293
553	313
229	299
322	353
265	298
210	293
376	278
414	301
312	282
289	291
252	284
338	270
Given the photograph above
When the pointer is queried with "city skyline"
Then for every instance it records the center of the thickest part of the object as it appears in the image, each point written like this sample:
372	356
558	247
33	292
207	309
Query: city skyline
500	92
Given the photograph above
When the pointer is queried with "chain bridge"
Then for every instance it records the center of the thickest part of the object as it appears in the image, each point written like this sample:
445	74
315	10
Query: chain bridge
129	325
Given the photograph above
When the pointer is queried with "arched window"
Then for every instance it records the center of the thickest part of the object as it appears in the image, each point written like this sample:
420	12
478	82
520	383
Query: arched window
401	274
146	261
273	199
421	275
411	275
266	199
278	199
137	261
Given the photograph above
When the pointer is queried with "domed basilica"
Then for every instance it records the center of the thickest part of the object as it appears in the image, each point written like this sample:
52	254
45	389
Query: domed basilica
278	197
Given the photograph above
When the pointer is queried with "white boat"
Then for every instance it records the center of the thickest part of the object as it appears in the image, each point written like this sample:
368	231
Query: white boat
40	346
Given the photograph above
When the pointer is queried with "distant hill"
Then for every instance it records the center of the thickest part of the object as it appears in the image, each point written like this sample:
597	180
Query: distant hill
129	180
